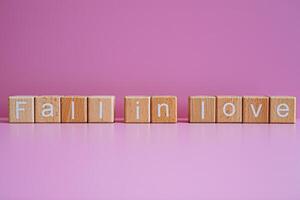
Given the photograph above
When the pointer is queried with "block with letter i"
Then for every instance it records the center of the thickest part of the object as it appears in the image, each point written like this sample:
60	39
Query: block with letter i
21	109
137	109
47	109
229	109
202	109
282	109
101	109
163	109
255	109
73	109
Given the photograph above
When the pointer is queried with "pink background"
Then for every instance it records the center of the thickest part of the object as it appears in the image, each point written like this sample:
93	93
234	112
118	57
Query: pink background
149	162
124	47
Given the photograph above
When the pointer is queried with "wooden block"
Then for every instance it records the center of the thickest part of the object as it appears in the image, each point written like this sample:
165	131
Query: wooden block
21	109
163	109
202	109
137	109
101	109
47	109
229	109
255	109
74	109
282	109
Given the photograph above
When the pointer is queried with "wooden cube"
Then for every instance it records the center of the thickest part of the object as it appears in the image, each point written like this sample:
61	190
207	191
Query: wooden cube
101	109
74	109
47	109
282	109
164	109
21	109
255	109
229	109
137	109
202	109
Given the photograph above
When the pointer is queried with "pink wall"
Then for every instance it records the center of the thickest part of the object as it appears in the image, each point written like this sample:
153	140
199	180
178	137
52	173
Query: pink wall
125	47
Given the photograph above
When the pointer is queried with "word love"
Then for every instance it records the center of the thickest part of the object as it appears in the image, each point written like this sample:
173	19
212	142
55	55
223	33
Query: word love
154	109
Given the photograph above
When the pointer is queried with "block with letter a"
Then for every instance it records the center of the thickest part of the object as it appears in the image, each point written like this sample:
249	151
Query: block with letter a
47	109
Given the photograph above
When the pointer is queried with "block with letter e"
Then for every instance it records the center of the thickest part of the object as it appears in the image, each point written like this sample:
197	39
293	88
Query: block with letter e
282	109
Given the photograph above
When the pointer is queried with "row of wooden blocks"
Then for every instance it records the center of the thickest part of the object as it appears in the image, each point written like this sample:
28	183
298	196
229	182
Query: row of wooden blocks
155	109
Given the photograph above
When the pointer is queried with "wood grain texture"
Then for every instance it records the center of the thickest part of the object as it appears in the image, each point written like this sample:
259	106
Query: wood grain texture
137	109
229	109
163	109
21	109
202	109
101	109
47	109
75	112
255	109
282	109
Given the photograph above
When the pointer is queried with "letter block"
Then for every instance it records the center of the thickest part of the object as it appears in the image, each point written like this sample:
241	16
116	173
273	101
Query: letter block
202	109
229	109
137	109
163	109
73	109
101	109
282	109
255	109
47	109
21	109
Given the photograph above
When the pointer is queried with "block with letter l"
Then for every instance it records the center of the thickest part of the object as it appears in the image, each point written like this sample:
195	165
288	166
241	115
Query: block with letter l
101	109
202	109
74	109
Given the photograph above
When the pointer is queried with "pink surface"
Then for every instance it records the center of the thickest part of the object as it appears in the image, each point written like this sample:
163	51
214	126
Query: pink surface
125	47
139	162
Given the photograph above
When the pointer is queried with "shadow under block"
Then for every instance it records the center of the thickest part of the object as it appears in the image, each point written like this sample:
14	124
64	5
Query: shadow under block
163	109
21	109
137	109
47	109
202	109
74	109
229	109
282	109
101	109
255	109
